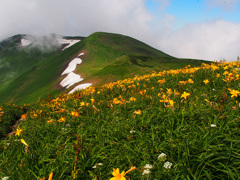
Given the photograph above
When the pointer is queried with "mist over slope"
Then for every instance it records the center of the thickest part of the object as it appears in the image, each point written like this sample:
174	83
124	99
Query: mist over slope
31	67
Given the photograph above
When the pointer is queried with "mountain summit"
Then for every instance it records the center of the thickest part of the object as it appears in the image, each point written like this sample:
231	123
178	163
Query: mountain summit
36	67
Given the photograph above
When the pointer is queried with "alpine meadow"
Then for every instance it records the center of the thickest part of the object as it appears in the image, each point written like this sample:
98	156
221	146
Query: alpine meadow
143	114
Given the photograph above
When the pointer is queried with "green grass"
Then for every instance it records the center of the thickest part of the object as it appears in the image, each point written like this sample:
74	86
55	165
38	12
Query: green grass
28	74
199	133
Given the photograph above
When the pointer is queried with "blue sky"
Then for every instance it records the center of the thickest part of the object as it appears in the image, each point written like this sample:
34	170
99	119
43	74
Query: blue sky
199	29
204	14
196	11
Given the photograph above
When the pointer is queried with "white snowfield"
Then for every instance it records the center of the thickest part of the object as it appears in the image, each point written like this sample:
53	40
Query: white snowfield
80	87
25	42
73	78
70	42
73	64
70	80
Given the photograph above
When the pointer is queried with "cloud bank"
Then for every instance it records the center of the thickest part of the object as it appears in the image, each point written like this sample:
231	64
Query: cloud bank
207	40
213	40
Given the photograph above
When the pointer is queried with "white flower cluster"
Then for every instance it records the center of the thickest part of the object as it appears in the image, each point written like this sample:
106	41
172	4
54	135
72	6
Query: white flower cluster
5	178
98	164
147	168
167	165
213	125
132	131
163	157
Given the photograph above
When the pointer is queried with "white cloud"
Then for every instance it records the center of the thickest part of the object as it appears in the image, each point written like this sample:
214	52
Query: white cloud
213	40
209	40
74	17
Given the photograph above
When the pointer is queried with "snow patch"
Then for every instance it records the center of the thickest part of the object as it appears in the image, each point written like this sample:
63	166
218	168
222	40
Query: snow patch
25	42
70	42
70	80
73	78
80	87
73	64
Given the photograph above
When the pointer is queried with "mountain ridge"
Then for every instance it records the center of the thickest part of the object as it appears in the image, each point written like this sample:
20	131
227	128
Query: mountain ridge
102	52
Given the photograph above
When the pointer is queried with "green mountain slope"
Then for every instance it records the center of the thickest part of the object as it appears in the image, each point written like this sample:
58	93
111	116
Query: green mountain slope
107	57
15	59
111	57
32	70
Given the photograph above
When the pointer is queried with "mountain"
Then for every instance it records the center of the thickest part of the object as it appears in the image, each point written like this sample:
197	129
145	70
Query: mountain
32	68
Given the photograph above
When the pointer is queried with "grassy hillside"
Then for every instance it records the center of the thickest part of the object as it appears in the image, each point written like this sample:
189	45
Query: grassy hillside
111	57
176	124
29	74
15	59
34	72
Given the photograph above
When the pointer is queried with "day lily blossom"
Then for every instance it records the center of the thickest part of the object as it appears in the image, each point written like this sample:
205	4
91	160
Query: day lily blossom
234	93
18	131
50	176
22	141
120	176
185	95
206	81
139	112
62	119
23	116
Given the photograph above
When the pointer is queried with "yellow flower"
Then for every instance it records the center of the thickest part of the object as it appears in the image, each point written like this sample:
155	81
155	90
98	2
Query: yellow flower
82	103
185	95
171	102
22	141
139	112
118	176
50	176
116	101
34	115
234	93
50	121
206	81
190	81
215	68
92	100
132	99
183	82
169	91
161	81
62	119
76	114
176	93
23	116
18	131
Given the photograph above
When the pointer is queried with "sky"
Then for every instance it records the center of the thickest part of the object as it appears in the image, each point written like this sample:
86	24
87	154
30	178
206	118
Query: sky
198	29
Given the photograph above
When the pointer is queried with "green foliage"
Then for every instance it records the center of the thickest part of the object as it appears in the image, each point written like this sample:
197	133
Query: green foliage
29	73
194	122
10	114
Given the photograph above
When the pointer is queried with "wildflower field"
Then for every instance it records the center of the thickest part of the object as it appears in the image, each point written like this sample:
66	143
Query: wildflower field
176	124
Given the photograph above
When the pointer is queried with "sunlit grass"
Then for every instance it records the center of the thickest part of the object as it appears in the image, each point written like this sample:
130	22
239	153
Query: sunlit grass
177	124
